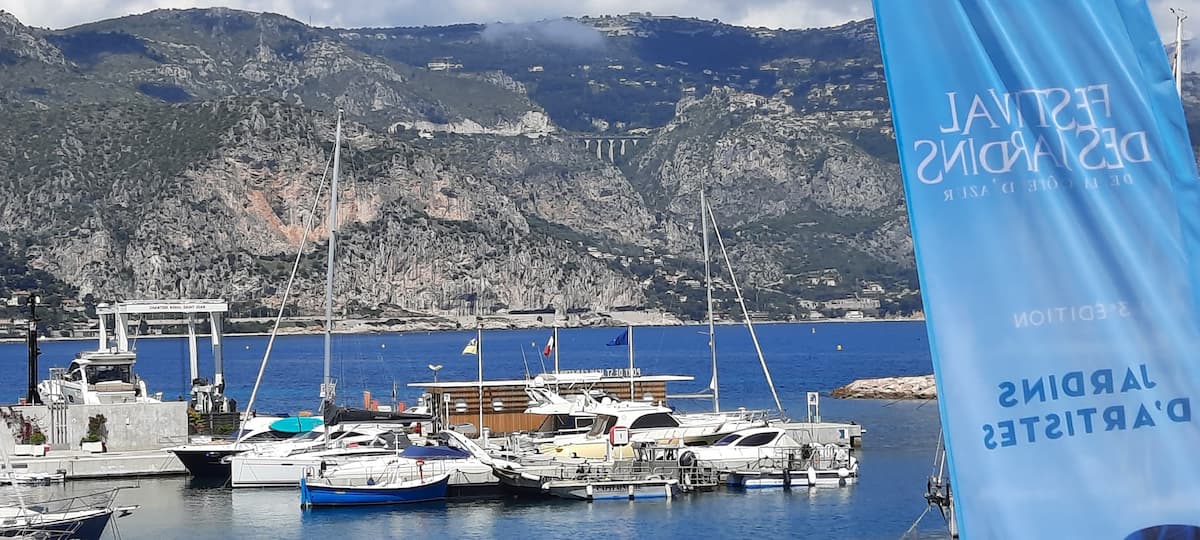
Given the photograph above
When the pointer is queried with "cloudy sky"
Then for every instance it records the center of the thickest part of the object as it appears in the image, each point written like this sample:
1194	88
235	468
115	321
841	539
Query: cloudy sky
359	13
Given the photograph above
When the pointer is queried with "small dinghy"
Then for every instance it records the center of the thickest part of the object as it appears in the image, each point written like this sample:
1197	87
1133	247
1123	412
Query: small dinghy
320	492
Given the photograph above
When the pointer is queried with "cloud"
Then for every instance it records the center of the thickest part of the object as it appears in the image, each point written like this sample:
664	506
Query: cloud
561	32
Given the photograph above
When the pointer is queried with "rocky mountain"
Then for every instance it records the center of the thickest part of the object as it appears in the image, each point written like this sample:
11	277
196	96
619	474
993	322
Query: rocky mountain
485	168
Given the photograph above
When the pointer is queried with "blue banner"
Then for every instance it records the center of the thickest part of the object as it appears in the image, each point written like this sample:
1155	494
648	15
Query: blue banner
1052	192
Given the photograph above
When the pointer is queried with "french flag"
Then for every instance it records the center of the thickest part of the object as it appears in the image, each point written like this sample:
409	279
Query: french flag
549	347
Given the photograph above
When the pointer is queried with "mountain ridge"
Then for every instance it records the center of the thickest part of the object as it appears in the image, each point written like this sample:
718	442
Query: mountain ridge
175	153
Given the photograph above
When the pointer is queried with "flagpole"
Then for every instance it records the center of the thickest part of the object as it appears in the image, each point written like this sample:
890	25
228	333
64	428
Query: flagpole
555	348
479	357
629	334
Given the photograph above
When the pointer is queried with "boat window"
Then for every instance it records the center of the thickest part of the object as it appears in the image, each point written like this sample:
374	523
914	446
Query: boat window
257	437
307	436
603	424
344	434
727	440
758	439
100	374
656	420
583	421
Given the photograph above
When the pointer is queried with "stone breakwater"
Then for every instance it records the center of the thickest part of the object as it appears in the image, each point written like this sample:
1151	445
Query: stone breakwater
921	387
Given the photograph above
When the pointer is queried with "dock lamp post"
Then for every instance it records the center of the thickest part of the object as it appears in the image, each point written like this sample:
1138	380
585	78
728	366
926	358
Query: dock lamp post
435	368
32	397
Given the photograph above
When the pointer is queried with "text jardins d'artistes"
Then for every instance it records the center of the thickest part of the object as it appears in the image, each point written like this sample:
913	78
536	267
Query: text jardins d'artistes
1028	141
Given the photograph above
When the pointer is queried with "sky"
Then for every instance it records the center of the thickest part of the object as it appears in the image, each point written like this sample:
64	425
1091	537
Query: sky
383	13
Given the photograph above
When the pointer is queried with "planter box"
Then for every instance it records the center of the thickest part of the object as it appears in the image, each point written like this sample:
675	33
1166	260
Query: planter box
93	447
39	450
23	450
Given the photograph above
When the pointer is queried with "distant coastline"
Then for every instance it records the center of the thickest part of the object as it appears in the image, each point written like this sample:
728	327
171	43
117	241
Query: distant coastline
494	322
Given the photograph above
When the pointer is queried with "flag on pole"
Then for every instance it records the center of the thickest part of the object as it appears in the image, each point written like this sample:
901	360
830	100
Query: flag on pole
471	348
549	346
1048	137
621	339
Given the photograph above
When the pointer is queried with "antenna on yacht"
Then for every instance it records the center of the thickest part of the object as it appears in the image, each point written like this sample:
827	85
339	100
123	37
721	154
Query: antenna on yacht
1180	16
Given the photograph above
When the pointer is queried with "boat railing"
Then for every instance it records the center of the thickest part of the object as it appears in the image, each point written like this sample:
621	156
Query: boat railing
627	471
90	501
826	457
387	474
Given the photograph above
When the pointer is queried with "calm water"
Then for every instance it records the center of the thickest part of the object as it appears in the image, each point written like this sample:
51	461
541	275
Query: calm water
899	451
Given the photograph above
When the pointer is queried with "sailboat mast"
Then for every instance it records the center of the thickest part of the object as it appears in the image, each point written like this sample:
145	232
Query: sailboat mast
327	392
479	357
745	312
712	343
1180	16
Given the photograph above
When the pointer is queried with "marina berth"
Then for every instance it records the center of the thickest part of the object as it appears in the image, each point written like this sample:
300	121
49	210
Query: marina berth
465	464
646	423
284	463
209	460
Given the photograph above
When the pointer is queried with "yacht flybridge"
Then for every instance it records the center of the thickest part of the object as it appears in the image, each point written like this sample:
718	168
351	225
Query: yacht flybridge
97	378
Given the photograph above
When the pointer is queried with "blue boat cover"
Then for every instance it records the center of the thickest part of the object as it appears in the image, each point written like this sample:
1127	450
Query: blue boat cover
296	424
434	452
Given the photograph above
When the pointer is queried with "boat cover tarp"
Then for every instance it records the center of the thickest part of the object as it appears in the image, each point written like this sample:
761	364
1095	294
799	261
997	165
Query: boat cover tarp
337	415
296	424
434	452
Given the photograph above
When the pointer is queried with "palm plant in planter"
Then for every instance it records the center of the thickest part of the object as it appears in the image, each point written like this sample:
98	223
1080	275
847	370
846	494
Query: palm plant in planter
94	440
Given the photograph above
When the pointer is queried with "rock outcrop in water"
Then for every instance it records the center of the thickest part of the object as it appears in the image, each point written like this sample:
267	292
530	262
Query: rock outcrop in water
922	387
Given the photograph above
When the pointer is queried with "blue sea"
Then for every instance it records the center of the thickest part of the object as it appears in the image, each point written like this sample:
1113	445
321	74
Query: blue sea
898	455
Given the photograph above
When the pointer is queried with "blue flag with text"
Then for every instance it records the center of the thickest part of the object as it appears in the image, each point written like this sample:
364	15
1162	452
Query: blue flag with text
1055	213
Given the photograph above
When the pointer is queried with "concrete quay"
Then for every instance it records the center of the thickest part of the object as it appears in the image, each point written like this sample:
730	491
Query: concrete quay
921	387
79	465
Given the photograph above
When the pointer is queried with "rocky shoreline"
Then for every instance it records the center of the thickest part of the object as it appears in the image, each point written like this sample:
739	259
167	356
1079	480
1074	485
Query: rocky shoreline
920	387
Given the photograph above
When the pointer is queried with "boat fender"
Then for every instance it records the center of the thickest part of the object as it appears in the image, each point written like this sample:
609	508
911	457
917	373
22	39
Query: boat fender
687	459
843	473
787	478
812	476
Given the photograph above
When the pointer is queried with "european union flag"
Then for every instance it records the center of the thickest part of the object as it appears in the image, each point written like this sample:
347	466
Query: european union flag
622	339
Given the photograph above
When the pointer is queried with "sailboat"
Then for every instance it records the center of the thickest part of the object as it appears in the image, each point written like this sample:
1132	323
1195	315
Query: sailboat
347	433
811	431
714	390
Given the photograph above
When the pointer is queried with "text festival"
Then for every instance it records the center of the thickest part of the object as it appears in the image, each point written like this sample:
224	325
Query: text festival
1053	129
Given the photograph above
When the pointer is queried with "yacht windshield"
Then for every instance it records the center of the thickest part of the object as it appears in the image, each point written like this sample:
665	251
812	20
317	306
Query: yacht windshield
307	436
603	424
727	440
102	374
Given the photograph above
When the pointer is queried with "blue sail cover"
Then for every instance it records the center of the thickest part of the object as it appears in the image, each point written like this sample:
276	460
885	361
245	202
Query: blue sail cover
1053	197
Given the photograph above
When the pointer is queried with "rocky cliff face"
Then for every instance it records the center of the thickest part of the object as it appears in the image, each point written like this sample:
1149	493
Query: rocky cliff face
180	153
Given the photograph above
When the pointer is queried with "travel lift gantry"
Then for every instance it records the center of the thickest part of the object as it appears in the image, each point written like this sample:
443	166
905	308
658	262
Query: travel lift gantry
206	397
